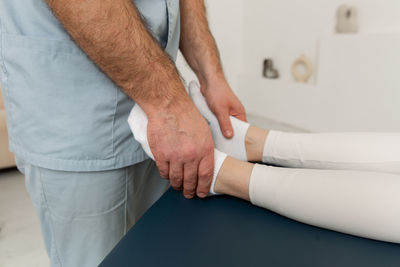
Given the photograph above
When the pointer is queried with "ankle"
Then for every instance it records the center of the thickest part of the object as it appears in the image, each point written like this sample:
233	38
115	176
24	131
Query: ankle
254	143
233	178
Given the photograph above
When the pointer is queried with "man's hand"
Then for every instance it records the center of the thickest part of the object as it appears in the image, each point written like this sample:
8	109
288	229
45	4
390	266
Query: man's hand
112	34
200	51
182	145
223	103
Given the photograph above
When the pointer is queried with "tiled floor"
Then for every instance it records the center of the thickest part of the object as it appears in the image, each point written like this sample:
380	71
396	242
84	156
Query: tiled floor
20	240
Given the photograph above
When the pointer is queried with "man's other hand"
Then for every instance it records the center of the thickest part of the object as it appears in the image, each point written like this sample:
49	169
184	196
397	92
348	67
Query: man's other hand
223	103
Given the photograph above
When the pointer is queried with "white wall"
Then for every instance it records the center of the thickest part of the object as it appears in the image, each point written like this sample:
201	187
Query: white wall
226	22
270	23
356	85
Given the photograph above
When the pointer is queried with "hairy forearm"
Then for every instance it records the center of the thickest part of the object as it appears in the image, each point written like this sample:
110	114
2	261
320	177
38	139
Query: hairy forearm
197	43
113	35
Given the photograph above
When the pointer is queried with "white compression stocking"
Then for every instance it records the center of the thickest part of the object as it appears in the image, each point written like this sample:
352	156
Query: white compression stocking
365	204
137	121
346	151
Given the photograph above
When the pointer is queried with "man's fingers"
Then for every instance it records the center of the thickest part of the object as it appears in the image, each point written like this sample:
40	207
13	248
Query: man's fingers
190	178
225	123
190	182
206	171
163	168
176	174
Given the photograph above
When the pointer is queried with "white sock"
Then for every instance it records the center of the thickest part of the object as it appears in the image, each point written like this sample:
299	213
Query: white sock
219	158
137	121
234	147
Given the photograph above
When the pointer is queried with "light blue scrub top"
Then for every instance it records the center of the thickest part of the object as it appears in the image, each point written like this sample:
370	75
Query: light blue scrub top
63	113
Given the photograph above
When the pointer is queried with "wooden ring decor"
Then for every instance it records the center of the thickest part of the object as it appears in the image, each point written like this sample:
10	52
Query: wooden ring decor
302	77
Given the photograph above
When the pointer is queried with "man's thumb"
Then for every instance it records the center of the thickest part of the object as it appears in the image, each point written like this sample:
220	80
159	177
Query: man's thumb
225	124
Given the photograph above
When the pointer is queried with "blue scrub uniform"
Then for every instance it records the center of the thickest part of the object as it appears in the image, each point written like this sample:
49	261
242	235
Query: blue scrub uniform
88	178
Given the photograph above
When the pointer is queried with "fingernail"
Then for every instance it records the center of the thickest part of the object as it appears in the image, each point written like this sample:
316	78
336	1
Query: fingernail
228	132
202	195
188	196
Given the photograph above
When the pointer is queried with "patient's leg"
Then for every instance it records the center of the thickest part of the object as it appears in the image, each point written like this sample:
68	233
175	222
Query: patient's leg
359	203
365	204
355	151
378	152
351	151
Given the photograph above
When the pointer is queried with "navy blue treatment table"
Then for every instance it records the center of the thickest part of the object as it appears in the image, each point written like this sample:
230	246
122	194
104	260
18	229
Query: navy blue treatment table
224	231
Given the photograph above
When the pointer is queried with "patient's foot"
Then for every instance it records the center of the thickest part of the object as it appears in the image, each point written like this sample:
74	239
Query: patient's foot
247	142
137	121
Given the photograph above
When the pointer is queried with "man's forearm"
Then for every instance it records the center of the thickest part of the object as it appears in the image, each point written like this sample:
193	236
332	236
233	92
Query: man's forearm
197	43
112	34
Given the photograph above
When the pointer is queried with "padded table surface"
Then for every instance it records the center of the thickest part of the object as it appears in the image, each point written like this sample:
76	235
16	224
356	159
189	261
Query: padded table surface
224	231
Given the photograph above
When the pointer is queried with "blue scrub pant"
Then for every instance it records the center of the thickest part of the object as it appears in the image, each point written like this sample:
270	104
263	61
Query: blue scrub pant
84	214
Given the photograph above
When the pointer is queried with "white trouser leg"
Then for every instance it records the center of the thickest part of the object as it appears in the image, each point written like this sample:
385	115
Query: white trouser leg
346	151
359	203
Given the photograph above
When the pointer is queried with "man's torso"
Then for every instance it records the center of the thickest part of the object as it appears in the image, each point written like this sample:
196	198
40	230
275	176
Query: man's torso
62	112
